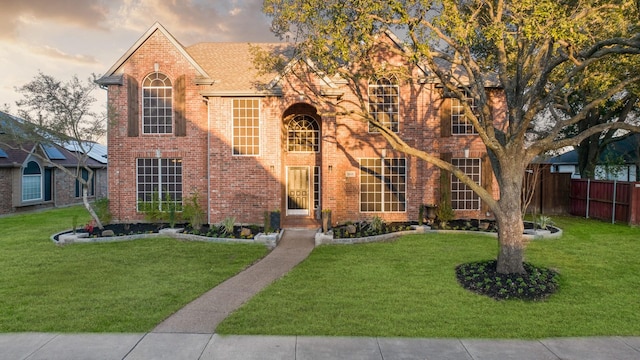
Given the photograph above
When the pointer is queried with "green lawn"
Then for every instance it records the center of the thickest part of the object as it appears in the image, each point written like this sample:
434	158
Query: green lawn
408	288
111	287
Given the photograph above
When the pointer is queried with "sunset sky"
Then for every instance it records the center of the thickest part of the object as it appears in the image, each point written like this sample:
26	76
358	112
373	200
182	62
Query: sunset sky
63	38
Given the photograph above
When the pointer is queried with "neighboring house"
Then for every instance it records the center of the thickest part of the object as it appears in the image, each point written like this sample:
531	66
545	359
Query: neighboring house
619	161
28	182
202	120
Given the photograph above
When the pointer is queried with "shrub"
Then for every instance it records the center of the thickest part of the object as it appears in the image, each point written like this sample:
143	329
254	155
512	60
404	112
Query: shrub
102	210
227	225
193	213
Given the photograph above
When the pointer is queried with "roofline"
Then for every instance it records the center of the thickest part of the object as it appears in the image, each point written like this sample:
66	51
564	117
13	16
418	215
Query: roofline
104	80
242	93
396	40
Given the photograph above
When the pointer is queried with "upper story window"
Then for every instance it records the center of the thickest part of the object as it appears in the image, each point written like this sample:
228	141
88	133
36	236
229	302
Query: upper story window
246	127
460	125
303	134
32	182
157	104
384	103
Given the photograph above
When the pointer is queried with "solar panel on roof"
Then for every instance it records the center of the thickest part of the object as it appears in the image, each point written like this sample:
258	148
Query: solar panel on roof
3	154
53	153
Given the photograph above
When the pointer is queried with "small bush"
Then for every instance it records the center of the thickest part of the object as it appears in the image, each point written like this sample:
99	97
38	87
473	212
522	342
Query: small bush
102	210
193	213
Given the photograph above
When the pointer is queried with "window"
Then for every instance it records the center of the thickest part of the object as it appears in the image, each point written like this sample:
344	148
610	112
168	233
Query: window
383	185
316	187
384	103
157	108
159	184
303	134
90	187
462	197
32	182
246	127
460	125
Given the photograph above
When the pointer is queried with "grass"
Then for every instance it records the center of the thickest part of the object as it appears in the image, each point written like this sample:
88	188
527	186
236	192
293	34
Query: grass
112	287
408	288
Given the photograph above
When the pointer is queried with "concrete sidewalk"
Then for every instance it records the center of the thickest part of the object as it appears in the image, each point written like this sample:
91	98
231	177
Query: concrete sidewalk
182	346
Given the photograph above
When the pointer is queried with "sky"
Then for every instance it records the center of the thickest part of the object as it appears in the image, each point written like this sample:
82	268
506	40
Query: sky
63	38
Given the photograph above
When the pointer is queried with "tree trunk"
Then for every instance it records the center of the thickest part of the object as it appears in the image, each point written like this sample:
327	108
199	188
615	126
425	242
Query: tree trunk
85	200
510	226
512	244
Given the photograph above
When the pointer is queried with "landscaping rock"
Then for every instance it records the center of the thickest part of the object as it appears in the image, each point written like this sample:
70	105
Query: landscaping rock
107	233
245	232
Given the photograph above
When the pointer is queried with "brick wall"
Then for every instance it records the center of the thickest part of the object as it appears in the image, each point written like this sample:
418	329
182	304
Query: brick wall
6	175
124	150
244	187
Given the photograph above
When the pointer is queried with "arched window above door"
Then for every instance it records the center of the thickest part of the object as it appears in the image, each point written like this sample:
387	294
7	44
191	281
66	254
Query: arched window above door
303	134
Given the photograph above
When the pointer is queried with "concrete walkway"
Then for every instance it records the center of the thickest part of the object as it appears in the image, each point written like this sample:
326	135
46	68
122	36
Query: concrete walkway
189	334
203	315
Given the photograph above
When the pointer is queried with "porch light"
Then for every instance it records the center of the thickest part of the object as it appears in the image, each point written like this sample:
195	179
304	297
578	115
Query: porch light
466	153
156	67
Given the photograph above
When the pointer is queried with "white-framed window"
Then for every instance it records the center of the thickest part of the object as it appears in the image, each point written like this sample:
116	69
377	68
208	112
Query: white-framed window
32	182
383	185
303	134
316	187
460	124
159	184
157	104
384	103
246	127
462	197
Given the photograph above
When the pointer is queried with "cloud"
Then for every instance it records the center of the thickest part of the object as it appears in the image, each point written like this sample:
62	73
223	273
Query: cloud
15	14
193	21
61	55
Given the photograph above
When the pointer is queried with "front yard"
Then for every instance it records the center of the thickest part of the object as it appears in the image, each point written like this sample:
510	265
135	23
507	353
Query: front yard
112	287
408	288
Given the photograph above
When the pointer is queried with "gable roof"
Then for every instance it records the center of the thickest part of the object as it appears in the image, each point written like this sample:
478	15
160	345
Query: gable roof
112	76
14	156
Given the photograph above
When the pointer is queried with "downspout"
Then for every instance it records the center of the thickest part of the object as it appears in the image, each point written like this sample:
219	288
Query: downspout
206	100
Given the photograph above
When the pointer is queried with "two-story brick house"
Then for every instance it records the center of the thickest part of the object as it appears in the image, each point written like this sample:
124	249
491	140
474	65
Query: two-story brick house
201	119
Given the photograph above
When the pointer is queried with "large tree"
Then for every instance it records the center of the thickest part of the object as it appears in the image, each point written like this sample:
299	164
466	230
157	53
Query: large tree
532	50
624	107
60	113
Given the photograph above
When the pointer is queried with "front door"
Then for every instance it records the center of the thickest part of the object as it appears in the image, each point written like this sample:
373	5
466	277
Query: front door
298	190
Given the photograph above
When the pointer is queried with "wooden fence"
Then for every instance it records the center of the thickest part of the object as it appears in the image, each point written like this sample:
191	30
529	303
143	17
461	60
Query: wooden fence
550	191
615	201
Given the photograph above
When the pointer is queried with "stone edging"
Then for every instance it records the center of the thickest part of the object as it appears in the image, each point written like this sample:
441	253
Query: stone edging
322	238
269	240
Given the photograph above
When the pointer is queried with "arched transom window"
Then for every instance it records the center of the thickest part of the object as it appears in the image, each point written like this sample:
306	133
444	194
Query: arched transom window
303	134
157	104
